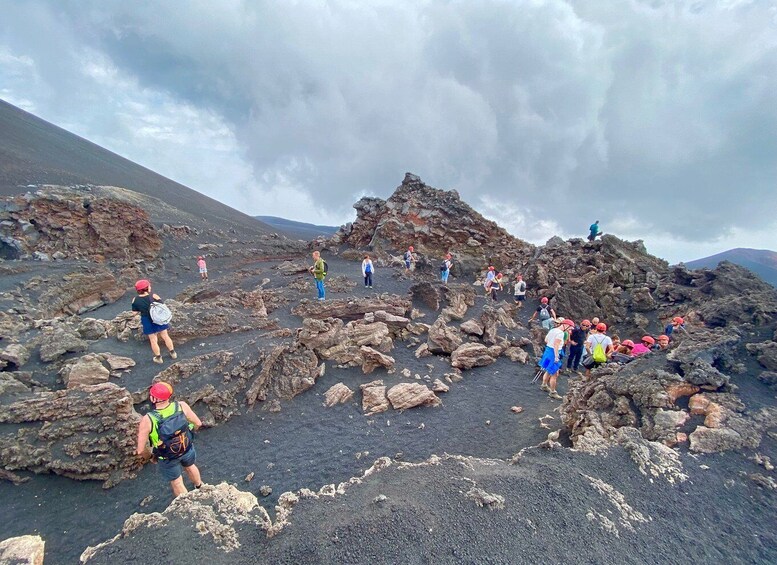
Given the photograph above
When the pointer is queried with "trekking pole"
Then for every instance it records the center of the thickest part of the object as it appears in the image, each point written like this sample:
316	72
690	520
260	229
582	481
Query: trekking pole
537	376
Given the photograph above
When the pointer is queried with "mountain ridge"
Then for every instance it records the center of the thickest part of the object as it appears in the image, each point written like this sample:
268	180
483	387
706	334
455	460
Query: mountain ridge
762	262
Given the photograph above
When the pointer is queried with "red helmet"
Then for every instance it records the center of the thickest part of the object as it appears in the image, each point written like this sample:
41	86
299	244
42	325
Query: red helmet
142	285
678	320
663	337
410	248
161	391
491	268
601	327
544	299
627	343
648	339
499	275
585	323
200	257
568	322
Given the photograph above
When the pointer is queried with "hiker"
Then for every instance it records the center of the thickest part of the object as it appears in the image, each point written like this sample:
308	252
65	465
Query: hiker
676	323
409	259
594	322
551	360
663	341
621	353
318	270
445	268
142	304
490	276
519	293
545	314
493	285
598	346
168	430
367	270
577	337
594	231
644	346
203	267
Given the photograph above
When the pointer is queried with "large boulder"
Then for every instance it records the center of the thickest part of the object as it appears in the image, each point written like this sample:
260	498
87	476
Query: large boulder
59	343
374	398
472	355
410	395
22	550
443	338
86	370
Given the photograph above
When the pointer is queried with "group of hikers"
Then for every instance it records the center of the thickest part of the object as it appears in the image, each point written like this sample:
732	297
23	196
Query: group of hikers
588	345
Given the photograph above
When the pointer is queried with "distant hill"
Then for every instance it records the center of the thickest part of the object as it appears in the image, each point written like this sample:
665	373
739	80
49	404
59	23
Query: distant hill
299	230
34	151
761	261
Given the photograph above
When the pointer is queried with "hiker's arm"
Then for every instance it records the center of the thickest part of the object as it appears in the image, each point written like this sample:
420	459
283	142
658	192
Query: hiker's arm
553	313
144	428
557	345
191	416
156	297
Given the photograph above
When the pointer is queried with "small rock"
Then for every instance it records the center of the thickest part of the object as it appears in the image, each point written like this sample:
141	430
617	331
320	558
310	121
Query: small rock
146	500
516	409
265	490
380	498
249	477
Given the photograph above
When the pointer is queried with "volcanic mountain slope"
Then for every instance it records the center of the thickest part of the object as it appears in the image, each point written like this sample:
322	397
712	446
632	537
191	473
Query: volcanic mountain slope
299	230
295	393
761	261
35	152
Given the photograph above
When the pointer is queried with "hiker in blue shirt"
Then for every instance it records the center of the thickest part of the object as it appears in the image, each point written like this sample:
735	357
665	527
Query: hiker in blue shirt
594	229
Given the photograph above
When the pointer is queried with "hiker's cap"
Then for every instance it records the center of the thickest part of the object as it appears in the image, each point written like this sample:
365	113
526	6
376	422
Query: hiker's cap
568	322
678	320
648	339
663	337
585	323
411	248
544	299
142	285
601	327
161	391
491	268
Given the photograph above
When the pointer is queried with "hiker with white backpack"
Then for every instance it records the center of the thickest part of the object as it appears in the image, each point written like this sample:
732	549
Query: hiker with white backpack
544	313
155	318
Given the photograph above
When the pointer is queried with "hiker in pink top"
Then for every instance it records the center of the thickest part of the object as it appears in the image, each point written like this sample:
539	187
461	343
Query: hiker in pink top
643	347
202	267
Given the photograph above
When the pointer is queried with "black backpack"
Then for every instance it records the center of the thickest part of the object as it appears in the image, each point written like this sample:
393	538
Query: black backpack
443	267
326	268
175	436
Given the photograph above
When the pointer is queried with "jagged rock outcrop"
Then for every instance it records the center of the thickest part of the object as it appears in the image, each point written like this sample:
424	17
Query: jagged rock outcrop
337	394
443	338
352	308
357	343
86	433
77	224
410	395
23	550
471	355
58	343
374	398
287	371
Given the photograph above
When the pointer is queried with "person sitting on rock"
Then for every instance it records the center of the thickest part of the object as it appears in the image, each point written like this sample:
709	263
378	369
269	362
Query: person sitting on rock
520	290
594	231
142	304
676	323
409	260
663	341
445	268
551	360
203	267
168	430
616	343
622	353
544	313
644	346
318	270
598	346
367	270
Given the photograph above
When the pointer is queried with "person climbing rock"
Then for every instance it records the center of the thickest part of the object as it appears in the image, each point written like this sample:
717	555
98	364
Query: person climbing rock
677	323
167	429
142	304
318	270
367	270
551	361
409	260
544	313
203	267
594	231
445	268
519	293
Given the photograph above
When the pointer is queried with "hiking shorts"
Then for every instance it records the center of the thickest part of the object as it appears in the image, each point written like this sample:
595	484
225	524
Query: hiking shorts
171	468
520	297
150	327
407	264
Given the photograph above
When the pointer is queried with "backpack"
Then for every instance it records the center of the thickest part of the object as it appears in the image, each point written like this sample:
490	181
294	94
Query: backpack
443	267
544	312
521	286
175	435
160	313
326	268
367	268
599	354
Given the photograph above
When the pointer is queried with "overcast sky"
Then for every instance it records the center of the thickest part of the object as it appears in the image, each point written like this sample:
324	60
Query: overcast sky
659	118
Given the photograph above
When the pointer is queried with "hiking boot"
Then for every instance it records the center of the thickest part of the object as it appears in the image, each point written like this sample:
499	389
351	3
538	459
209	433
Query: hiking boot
554	395
158	359
173	354
545	388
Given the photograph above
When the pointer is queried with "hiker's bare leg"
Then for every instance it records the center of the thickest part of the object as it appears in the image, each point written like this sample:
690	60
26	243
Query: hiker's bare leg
168	341
553	380
153	339
545	377
194	474
178	487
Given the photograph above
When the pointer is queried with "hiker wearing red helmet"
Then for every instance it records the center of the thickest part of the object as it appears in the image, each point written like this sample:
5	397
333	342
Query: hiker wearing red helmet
142	304
409	259
545	313
167	429
598	346
203	267
493	285
677	323
551	360
663	341
644	346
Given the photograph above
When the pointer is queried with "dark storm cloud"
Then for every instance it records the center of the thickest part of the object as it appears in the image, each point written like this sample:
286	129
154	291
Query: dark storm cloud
658	118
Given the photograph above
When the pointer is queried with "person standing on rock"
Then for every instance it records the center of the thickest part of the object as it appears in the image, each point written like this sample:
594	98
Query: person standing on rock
318	270
142	304
520	291
594	231
203	267
551	361
367	270
577	337
168	430
409	260
445	268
